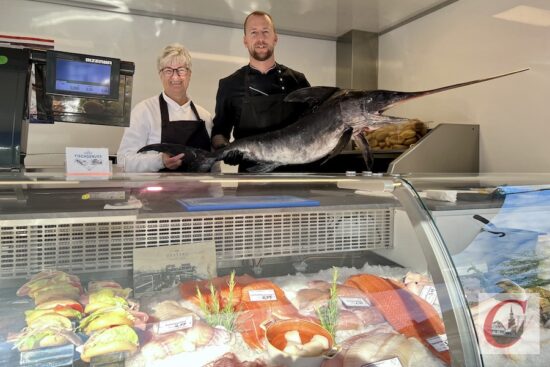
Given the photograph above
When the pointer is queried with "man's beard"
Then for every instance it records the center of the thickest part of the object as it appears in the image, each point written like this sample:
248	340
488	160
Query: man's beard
261	57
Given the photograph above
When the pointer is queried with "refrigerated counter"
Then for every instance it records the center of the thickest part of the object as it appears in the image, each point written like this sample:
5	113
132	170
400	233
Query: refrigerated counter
297	270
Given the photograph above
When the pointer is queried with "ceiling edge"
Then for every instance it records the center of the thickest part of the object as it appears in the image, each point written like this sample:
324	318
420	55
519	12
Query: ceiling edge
417	16
113	9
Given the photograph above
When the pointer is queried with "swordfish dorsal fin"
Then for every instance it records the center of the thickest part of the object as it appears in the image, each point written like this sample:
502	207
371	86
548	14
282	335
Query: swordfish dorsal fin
397	97
313	96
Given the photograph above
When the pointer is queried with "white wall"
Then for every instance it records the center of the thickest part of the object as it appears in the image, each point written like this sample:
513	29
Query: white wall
462	42
216	52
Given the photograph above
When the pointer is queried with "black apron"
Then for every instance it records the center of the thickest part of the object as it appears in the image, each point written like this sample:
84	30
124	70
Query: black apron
264	113
192	133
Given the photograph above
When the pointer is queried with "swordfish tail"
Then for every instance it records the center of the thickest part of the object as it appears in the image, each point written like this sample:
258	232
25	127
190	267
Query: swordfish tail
194	159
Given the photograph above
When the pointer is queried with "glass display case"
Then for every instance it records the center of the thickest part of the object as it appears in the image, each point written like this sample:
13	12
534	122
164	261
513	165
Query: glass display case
274	270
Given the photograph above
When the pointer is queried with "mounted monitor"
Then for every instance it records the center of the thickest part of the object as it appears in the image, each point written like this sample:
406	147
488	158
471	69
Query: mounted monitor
71	74
83	89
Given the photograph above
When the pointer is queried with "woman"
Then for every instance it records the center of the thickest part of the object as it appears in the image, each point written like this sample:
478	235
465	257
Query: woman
170	117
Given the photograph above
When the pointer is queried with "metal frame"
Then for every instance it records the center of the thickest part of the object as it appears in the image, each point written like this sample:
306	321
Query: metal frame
461	334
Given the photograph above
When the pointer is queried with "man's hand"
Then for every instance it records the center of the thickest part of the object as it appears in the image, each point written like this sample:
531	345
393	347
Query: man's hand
219	141
233	157
172	163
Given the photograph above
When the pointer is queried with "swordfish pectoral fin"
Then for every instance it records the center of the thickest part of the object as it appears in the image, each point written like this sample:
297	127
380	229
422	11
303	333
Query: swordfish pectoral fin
344	140
363	144
313	96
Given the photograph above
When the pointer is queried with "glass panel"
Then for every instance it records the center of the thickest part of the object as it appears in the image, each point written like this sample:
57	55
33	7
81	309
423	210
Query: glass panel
496	230
281	270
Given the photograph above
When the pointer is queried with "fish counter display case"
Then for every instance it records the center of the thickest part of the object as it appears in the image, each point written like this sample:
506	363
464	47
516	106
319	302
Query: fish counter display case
274	270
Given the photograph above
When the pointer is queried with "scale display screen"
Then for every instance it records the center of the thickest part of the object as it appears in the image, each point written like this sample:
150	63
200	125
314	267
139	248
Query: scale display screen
82	75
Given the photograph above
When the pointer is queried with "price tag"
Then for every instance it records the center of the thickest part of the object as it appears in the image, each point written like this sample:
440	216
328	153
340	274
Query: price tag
392	362
439	342
180	323
355	302
429	294
262	295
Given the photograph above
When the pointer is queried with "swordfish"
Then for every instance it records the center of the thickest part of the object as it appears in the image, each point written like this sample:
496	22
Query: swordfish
334	117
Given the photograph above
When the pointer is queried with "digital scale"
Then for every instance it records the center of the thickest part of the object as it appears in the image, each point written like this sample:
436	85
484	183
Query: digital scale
44	86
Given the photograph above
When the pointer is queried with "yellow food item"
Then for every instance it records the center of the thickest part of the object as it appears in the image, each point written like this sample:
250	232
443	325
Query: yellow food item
396	137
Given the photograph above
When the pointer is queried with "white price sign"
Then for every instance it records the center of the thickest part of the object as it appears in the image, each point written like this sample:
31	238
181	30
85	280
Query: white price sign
262	295
180	323
439	342
429	294
355	302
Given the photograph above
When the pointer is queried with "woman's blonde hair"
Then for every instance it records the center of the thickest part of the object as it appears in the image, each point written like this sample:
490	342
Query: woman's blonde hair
174	52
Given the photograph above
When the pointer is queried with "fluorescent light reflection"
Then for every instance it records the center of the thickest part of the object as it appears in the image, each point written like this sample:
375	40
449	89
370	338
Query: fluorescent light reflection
57	18
526	15
277	180
118	5
219	58
154	188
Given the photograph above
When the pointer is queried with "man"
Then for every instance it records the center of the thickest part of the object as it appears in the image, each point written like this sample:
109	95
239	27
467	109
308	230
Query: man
170	117
250	101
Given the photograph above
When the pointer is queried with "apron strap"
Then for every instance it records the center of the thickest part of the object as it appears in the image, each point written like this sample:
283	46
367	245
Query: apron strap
164	117
194	109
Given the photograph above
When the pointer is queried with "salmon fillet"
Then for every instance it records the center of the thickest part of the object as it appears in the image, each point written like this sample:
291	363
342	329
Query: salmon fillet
405	311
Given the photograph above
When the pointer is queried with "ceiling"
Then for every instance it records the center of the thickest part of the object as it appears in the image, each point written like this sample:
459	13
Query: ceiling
324	19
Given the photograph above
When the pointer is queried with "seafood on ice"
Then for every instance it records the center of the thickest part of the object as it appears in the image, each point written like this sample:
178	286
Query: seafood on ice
409	314
355	310
382	344
197	336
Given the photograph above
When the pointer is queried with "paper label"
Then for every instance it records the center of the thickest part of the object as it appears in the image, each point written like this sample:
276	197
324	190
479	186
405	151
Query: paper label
439	342
180	323
355	302
392	362
262	295
429	294
87	161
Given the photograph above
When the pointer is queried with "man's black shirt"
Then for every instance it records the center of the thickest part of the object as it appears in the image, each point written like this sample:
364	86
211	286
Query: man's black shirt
231	91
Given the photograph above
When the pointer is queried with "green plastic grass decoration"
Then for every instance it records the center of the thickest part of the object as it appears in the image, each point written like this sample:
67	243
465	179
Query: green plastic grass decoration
213	314
328	315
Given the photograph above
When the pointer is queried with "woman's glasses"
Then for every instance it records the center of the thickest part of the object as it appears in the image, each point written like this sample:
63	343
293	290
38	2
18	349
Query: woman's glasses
168	72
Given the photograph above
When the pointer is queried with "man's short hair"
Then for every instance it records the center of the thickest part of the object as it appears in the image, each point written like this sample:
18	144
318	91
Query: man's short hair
258	13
